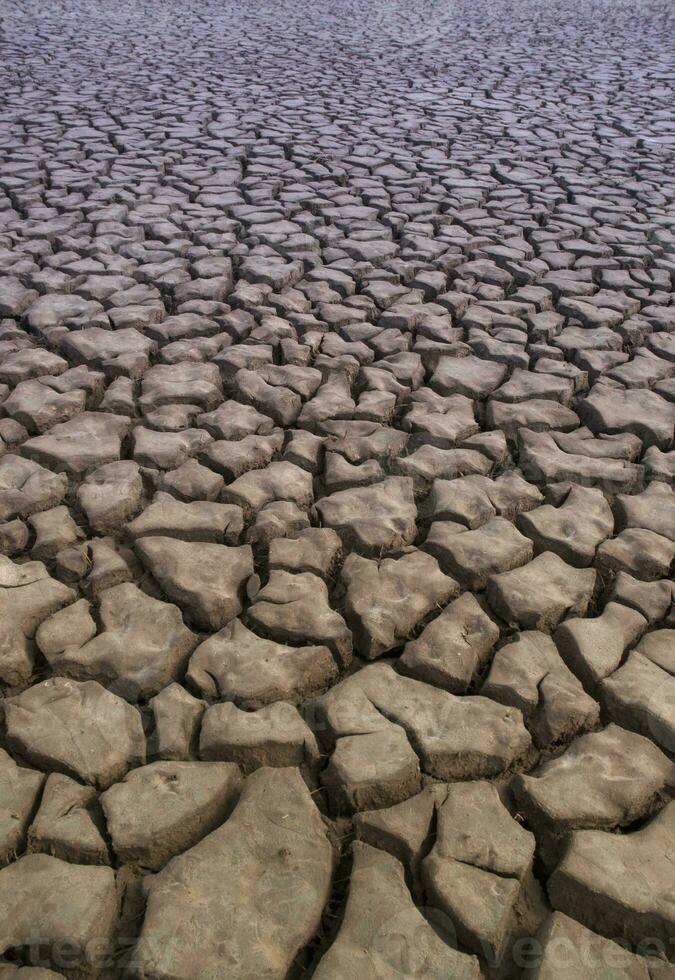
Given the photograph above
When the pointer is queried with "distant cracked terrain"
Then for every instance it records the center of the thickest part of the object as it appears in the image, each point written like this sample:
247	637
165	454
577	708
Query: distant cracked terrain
337	521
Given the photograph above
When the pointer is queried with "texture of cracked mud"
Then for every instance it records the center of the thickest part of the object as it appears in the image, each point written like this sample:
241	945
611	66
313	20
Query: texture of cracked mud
337	520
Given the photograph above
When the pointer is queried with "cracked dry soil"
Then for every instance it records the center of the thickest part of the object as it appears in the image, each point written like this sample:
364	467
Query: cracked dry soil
337	522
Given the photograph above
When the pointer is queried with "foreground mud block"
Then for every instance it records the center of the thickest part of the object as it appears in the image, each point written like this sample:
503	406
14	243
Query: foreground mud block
475	869
386	601
165	808
68	824
206	580
77	728
28	595
84	917
20	789
619	885
453	647
570	950
454	737
253	921
529	673
604	780
372	520
383	932
133	644
252	671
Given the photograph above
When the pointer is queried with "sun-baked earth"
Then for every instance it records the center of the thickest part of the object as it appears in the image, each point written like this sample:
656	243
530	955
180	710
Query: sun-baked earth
337	520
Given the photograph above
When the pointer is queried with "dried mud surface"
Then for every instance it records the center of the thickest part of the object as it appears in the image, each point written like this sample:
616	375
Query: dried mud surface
337	520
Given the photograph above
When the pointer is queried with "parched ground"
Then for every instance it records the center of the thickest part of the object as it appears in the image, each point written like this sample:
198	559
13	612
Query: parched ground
337	395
